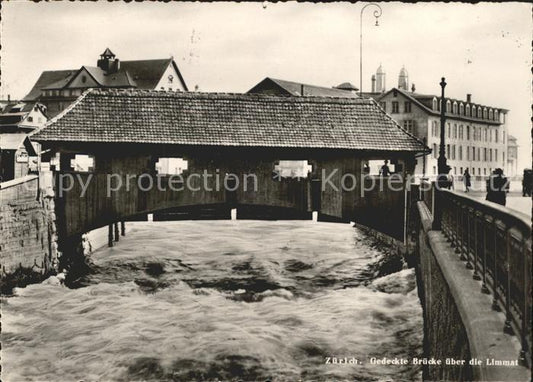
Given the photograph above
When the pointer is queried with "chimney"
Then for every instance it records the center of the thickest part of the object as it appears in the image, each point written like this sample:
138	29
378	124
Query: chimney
114	66
302	90
469	98
9	98
373	83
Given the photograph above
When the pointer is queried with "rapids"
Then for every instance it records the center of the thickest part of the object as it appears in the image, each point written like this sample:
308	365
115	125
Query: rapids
220	300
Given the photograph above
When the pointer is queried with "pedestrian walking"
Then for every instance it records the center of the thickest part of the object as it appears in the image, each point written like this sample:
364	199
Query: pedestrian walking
466	180
497	187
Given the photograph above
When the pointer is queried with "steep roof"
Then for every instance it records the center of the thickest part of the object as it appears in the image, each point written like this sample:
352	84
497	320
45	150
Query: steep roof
48	78
143	74
182	118
15	141
295	89
146	73
422	101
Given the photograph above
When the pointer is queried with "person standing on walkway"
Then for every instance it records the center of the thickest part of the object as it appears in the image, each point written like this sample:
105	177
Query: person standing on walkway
466	180
385	171
497	187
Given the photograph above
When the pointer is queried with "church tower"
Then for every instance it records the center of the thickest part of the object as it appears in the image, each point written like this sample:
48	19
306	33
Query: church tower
403	80
380	80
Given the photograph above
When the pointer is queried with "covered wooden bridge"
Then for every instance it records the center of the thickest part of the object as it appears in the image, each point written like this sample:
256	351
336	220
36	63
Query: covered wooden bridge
255	146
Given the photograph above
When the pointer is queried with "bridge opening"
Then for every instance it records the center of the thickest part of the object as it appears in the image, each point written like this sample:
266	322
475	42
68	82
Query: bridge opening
83	163
299	169
171	166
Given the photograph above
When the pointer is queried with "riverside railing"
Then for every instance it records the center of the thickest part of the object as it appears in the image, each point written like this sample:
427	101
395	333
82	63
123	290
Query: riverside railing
495	243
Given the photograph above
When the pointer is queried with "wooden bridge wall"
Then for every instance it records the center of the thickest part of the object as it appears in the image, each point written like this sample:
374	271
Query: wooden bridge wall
80	214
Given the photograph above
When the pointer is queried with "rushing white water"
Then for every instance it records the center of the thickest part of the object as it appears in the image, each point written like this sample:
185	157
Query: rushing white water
227	300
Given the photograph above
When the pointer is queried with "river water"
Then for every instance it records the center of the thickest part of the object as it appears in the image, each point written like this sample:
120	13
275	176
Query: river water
220	300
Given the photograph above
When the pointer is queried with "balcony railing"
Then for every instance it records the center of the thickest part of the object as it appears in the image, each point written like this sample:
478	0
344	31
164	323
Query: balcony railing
495	243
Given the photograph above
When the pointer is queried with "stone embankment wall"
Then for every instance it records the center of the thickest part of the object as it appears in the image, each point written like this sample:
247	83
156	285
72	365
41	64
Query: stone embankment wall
459	323
28	239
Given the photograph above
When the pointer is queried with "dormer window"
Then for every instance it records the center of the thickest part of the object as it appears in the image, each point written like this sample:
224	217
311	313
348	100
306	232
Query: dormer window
454	108
461	109
448	105
435	104
170	78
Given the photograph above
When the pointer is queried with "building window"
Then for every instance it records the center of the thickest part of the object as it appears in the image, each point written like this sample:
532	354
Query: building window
473	153
383	105
468	133
485	171
496	135
478	153
455	131
434	129
485	154
496	155
455	171
486	135
435	150
30	119
407	107
453	151
490	155
503	137
395	107
434	170
83	79
461	131
461	154
409	126
448	151
170	78
448	128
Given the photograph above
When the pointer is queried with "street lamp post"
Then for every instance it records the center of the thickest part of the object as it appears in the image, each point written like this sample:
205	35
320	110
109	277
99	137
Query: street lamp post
442	162
443	168
377	14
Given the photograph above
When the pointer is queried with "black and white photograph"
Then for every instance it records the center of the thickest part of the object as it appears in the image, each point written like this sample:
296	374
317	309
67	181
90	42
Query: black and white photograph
265	191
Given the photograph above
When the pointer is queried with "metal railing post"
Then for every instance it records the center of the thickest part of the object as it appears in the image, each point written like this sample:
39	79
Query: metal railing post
470	210
476	275
507	326
484	288
495	293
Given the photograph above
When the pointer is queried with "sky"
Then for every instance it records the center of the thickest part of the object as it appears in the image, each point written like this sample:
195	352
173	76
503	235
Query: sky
482	49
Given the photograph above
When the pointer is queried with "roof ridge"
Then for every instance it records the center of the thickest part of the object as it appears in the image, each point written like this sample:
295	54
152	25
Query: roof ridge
188	94
65	111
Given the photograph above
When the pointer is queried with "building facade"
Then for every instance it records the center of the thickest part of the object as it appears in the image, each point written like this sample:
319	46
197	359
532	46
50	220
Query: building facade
17	155
475	135
57	89
512	156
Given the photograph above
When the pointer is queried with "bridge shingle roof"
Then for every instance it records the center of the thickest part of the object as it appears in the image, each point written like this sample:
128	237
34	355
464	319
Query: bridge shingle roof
221	119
